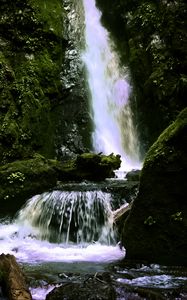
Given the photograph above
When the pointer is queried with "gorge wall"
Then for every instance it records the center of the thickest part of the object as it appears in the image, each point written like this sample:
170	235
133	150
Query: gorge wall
43	102
151	39
39	111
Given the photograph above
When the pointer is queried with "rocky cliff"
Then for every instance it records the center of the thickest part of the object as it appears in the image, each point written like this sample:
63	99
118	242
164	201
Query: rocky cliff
156	229
151	39
39	112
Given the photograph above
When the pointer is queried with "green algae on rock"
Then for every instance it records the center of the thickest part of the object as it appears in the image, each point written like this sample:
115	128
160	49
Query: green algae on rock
156	228
31	59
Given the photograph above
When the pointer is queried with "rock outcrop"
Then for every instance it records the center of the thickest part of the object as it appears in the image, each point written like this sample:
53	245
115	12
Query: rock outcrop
156	228
23	179
150	37
43	106
12	279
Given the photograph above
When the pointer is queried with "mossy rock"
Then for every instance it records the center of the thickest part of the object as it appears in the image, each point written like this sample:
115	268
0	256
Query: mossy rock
23	179
90	166
156	229
31	57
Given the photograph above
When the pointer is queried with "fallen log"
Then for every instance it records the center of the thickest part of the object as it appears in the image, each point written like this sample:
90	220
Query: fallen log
13	279
121	211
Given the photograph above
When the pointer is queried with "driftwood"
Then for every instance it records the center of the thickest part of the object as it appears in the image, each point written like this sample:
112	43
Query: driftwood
120	211
13	279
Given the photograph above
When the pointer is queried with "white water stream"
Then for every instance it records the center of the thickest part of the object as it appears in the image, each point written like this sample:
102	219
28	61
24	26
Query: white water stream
62	227
114	131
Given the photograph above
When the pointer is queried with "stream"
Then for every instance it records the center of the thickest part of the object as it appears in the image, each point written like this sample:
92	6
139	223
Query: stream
53	253
68	234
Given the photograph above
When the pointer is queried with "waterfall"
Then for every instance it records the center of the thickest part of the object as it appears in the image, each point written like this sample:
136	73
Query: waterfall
62	226
114	131
70	216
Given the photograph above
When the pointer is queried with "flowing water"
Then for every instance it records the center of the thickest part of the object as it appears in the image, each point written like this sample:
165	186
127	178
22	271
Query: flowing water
63	226
61	236
114	131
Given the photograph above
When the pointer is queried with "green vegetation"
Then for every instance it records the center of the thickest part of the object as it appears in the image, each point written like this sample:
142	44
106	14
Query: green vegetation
161	153
30	64
177	216
22	179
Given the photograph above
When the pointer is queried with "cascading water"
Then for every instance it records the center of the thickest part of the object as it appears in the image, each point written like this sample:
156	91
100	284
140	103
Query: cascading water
71	216
63	226
108	83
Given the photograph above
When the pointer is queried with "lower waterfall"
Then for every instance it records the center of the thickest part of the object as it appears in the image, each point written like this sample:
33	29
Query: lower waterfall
109	86
63	226
70	216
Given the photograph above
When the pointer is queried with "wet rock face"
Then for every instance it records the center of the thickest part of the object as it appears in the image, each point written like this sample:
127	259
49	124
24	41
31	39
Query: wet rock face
156	229
151	37
43	105
74	129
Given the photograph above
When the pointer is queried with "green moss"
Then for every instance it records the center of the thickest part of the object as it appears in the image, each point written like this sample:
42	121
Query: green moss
23	179
20	180
161	150
149	221
177	217
45	11
30	60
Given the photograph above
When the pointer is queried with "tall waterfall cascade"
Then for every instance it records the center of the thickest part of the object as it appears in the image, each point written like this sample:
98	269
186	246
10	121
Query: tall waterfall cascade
114	131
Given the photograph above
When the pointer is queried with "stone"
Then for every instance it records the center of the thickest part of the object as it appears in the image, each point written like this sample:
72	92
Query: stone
23	179
92	288
133	175
13	280
156	228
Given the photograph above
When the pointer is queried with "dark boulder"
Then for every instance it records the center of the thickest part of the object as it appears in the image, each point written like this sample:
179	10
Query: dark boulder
92	288
133	175
156	228
90	166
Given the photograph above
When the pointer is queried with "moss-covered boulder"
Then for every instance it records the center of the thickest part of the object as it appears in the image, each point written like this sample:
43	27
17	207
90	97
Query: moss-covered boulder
23	179
90	166
156	229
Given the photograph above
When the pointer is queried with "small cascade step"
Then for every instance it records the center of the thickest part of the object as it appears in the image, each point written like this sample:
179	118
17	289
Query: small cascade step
70	216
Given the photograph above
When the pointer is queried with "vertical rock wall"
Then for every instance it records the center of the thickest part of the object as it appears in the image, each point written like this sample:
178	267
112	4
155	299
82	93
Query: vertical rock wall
151	39
43	107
